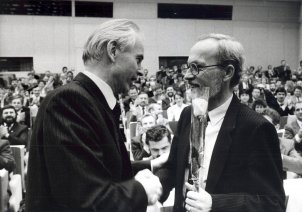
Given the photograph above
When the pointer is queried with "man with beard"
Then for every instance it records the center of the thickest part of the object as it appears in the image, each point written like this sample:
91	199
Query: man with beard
14	132
170	92
241	164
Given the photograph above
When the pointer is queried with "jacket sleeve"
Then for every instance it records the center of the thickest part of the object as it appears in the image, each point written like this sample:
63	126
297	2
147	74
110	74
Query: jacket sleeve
78	171
20	139
264	171
7	160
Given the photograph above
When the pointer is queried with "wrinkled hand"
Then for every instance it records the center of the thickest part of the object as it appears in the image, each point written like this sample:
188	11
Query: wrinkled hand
158	162
151	185
198	201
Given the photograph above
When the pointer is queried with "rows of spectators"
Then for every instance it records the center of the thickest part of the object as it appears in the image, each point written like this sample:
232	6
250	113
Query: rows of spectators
157	100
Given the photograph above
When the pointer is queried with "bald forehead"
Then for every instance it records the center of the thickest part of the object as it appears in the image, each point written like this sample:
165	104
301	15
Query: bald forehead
203	51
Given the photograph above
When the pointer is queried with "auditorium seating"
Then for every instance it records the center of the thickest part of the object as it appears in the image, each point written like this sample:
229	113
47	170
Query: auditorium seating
132	127
15	187
4	197
19	153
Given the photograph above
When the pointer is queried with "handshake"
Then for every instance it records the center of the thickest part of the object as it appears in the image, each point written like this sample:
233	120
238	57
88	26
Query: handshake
151	185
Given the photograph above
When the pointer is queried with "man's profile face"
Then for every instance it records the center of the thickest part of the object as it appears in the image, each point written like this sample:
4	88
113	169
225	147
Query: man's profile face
298	111
203	54
160	147
9	115
127	63
280	96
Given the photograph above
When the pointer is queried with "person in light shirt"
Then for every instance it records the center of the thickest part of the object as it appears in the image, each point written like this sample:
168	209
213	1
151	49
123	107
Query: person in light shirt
241	166
174	111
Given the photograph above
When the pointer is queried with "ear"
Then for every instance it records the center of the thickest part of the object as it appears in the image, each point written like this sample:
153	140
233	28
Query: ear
112	50
229	72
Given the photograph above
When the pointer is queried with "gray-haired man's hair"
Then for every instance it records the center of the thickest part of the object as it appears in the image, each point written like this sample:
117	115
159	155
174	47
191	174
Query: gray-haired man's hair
230	51
122	31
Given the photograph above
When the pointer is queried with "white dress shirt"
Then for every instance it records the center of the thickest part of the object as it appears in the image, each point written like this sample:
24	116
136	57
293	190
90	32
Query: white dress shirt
216	118
104	88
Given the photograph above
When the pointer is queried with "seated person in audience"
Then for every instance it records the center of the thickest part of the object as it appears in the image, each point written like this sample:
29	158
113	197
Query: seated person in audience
35	98
10	129
139	148
288	132
159	97
284	108
245	97
259	106
297	97
296	124
260	92
23	113
175	110
156	110
158	140
170	97
6	156
140	107
291	159
132	95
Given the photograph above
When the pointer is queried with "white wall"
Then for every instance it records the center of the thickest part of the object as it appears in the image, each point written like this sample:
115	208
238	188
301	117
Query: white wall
268	30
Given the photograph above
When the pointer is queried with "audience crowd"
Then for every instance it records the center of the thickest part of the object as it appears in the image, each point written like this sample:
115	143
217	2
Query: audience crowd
155	102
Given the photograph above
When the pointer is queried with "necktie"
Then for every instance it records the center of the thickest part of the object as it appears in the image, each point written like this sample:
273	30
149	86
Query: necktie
143	109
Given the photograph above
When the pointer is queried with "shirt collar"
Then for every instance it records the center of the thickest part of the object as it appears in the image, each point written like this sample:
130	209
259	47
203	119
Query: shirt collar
218	113
104	87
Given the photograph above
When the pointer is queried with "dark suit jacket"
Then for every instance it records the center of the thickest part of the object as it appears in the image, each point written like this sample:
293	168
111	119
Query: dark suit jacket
77	161
18	134
245	172
137	148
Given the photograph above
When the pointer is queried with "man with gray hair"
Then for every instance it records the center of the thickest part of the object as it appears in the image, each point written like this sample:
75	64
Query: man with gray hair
77	159
241	168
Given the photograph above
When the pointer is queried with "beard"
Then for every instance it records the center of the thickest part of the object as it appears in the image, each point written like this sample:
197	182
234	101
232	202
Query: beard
216	84
170	94
10	120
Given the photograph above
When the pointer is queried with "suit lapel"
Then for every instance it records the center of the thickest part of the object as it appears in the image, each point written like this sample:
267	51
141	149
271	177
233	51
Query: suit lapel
101	102
222	145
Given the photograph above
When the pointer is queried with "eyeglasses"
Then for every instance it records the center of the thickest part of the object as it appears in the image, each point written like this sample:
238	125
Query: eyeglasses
195	68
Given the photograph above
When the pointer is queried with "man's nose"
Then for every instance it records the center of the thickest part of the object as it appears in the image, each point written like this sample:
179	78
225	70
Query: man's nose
189	76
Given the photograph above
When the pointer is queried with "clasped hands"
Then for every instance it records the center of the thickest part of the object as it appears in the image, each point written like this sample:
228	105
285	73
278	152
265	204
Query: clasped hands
197	201
151	184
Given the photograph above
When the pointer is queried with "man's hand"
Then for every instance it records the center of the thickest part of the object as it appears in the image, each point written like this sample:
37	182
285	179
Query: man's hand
158	162
151	185
3	131
198	201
